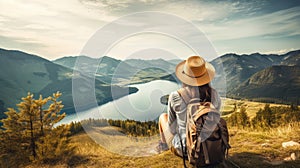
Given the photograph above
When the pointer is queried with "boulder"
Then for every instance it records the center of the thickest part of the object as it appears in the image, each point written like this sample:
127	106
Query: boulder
293	156
290	144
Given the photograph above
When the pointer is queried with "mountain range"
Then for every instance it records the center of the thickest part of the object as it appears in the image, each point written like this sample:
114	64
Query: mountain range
22	73
240	72
271	78
114	71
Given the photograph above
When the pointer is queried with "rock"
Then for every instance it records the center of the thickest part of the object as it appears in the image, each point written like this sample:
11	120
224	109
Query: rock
289	144
293	156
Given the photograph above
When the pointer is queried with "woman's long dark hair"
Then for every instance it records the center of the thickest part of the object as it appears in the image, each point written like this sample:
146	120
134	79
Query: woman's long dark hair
204	92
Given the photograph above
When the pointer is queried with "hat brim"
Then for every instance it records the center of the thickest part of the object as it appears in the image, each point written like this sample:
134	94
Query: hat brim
204	79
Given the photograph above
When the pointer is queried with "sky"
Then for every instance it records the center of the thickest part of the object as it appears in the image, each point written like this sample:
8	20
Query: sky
57	28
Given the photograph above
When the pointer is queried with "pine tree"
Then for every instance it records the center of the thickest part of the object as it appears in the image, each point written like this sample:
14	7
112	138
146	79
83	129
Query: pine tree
54	145
257	121
48	143
30	134
234	107
233	119
268	115
243	117
12	147
28	118
294	107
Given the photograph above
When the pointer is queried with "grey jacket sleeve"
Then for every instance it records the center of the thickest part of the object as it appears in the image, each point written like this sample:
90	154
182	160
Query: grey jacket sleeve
172	123
216	100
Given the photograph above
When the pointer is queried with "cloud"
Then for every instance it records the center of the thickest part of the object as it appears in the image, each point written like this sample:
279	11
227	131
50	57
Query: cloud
134	46
63	27
282	51
190	10
280	23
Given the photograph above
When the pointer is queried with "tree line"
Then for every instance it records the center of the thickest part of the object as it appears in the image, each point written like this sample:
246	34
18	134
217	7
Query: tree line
268	117
128	127
136	128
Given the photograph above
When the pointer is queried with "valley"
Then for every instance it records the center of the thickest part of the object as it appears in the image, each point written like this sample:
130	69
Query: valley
267	78
251	81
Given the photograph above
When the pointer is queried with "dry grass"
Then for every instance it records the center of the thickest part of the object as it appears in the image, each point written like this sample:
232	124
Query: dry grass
96	156
92	155
259	148
250	148
263	148
251	107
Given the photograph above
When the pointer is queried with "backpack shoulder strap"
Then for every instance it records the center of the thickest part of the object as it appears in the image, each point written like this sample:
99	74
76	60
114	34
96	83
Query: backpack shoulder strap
184	95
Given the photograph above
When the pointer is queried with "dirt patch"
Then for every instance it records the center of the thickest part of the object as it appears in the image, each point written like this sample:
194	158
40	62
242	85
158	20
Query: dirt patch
115	141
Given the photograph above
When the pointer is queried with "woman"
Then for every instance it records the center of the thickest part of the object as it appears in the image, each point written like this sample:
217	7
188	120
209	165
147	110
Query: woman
195	75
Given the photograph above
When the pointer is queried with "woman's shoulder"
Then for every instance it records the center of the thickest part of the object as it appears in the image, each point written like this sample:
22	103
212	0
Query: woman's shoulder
215	94
215	99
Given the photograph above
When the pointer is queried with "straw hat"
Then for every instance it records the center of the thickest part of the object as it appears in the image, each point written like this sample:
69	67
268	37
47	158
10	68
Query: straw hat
195	71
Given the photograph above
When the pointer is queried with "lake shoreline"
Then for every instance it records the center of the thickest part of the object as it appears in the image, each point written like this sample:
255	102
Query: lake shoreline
143	105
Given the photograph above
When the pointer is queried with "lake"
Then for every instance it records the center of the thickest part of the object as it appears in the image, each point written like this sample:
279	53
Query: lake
143	105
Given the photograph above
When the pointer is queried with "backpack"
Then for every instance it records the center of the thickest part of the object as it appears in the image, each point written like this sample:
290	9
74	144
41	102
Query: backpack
207	139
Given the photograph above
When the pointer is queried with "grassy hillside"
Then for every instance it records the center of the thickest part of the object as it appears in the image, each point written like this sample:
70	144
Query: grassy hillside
252	107
22	73
249	149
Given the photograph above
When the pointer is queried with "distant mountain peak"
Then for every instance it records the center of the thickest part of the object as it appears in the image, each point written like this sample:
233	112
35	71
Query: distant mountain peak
230	54
293	52
20	55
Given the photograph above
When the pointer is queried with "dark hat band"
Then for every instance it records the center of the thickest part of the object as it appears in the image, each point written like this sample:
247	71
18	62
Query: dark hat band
192	76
